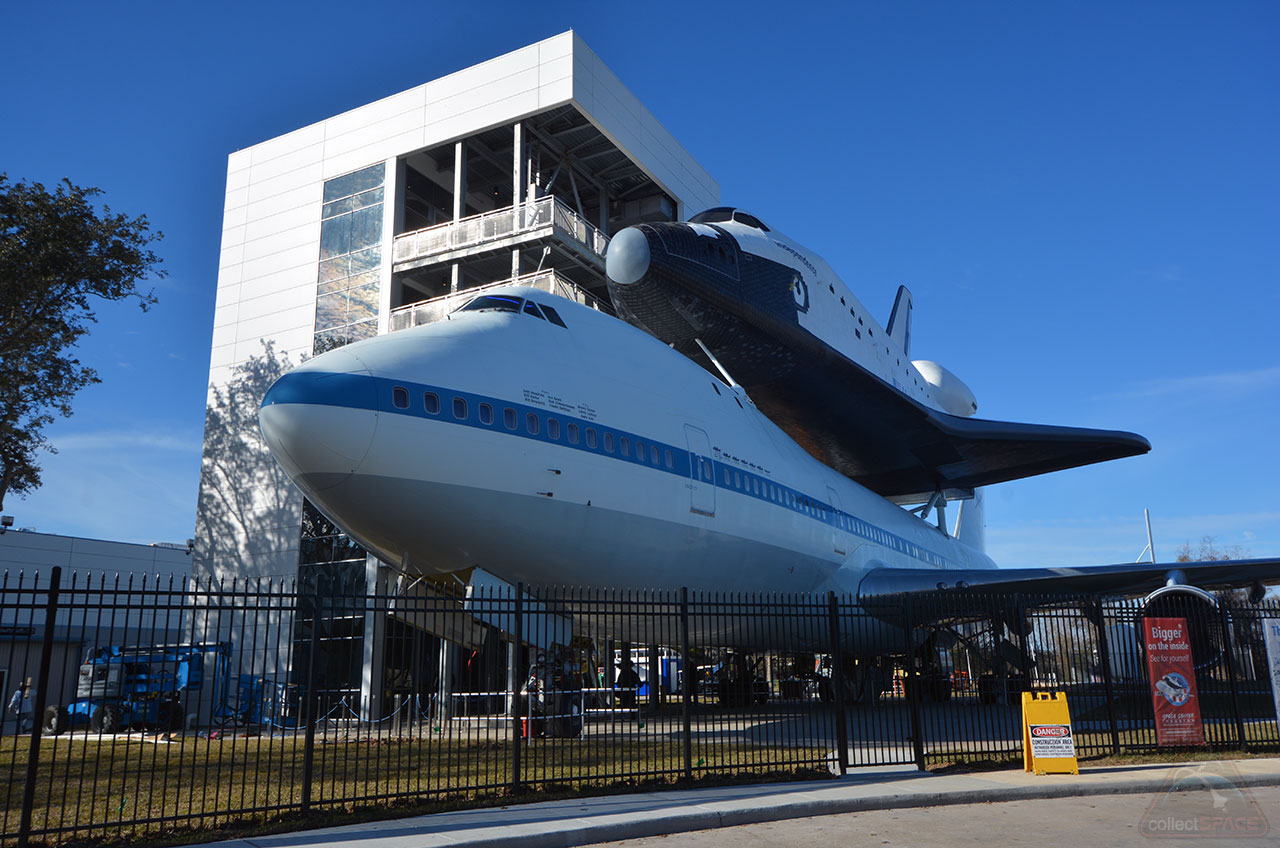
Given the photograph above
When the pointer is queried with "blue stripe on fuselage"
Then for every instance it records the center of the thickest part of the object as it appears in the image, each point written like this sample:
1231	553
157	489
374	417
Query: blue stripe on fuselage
329	389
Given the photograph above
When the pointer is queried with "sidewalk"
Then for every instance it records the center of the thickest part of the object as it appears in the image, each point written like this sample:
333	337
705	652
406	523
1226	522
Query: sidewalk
553	824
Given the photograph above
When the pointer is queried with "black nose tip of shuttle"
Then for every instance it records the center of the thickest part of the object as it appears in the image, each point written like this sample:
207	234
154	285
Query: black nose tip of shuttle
627	260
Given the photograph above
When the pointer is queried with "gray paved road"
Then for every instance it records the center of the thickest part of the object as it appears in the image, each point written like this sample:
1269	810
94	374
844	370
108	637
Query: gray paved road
1096	822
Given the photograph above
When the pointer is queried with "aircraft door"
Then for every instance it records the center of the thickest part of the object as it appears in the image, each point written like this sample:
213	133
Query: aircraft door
702	485
838	543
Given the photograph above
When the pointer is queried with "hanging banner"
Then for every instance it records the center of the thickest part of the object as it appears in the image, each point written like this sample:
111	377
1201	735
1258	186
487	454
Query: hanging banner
1271	634
1173	681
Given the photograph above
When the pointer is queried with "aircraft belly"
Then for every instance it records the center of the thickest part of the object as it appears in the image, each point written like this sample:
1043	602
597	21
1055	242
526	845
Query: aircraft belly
564	515
539	540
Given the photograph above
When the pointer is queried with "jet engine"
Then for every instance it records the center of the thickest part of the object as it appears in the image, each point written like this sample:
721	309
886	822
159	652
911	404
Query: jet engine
1201	610
949	390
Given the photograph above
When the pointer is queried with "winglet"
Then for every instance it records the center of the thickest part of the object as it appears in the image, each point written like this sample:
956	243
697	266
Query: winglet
899	328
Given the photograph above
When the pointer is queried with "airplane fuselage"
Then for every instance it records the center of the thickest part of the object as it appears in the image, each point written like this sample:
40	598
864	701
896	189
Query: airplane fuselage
586	454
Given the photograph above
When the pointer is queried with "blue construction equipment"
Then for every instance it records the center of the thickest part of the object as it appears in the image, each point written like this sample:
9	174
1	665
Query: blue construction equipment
141	687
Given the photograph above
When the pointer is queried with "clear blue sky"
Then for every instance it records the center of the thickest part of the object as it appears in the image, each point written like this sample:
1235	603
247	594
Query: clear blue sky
1083	197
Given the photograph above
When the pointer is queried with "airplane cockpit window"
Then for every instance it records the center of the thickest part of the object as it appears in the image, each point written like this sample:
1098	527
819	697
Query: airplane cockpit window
721	214
531	308
553	316
499	302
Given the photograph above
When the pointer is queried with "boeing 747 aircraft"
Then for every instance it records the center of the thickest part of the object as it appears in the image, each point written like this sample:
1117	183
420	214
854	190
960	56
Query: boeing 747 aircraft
549	443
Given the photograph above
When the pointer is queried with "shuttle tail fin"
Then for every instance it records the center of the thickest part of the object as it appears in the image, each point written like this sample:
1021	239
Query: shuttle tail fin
899	327
971	522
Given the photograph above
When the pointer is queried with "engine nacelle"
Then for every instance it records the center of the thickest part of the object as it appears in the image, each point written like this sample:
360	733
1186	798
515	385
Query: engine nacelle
953	396
1200	609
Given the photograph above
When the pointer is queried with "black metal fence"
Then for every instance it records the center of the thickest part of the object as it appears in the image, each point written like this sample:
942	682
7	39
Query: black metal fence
156	705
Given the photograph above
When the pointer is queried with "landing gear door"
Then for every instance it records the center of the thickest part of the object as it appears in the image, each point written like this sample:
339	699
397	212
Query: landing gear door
702	485
838	543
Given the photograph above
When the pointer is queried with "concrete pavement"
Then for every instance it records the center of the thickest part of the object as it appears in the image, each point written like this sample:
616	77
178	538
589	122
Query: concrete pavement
583	821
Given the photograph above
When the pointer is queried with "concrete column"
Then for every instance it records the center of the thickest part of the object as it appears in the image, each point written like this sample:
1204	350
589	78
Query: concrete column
513	674
444	685
517	165
459	202
517	189
655	677
373	672
459	181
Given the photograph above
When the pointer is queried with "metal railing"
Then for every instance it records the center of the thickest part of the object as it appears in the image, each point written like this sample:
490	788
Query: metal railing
652	685
543	216
436	308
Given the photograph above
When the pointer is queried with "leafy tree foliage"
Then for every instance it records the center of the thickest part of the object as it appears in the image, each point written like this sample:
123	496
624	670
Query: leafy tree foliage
59	253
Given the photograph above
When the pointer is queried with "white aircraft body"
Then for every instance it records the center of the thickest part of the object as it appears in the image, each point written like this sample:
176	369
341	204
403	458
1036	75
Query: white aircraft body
588	454
548	443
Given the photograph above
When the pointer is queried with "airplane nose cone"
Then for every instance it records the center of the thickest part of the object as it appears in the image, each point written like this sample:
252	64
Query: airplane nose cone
627	259
319	419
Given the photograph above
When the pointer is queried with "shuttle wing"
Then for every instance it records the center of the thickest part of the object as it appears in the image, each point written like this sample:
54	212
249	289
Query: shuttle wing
878	436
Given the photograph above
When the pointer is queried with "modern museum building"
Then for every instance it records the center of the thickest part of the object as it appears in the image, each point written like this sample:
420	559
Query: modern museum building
383	218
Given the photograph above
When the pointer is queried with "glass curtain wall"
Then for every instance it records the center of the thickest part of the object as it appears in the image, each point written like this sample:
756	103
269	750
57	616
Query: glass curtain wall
350	259
331	567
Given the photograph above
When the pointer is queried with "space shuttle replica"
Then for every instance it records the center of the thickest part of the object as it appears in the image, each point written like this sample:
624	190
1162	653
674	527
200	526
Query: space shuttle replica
743	424
779	321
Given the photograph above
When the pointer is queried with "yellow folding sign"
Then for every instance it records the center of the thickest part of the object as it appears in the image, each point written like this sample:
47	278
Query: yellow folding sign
1048	744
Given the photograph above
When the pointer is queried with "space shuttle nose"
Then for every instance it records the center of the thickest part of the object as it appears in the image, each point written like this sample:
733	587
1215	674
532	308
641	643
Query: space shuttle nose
319	419
627	260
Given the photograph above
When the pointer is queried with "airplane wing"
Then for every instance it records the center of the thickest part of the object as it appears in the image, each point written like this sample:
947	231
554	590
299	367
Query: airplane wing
873	433
1124	579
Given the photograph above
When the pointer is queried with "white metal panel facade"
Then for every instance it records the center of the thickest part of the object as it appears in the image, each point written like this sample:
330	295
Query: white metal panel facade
249	515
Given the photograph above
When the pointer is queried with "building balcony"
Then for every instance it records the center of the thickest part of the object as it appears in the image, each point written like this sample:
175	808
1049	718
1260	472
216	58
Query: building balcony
435	309
547	219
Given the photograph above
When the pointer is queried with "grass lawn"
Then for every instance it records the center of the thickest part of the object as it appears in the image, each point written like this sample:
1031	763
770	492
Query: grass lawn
132	787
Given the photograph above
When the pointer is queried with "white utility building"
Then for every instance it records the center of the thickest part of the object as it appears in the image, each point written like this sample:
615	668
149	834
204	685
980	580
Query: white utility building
388	216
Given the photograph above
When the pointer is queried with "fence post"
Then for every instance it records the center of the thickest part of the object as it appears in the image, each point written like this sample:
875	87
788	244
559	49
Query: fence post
1107	686
1228	646
837	684
517	732
687	675
911	686
312	702
37	723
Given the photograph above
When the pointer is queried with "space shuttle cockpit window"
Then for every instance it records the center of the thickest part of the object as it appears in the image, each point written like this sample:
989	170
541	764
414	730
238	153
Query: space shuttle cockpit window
716	215
750	220
721	214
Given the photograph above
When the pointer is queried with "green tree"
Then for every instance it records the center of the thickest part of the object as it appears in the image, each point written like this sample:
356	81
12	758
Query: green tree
59	253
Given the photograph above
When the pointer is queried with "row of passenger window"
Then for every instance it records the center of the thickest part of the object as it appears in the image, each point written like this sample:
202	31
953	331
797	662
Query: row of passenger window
534	424
753	485
622	445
